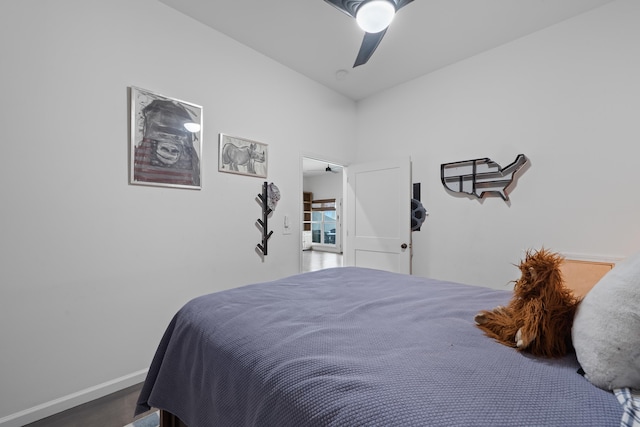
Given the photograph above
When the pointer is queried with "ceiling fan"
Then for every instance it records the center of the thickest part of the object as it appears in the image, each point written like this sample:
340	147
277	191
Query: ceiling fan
374	17
328	169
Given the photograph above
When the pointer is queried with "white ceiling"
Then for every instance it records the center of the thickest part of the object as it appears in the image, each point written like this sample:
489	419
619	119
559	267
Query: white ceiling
317	40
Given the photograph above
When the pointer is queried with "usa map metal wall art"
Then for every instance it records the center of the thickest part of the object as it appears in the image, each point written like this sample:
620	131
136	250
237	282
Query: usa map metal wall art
480	177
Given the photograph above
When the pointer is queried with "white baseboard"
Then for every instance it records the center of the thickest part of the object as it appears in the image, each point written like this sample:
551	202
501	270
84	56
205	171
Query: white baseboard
72	400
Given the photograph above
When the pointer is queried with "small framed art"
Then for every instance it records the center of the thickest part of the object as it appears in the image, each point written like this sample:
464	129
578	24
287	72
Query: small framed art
242	156
165	141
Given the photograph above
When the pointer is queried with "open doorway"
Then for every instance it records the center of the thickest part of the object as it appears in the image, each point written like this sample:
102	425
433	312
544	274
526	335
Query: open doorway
321	228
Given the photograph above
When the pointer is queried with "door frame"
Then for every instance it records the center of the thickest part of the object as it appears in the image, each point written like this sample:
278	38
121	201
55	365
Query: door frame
343	227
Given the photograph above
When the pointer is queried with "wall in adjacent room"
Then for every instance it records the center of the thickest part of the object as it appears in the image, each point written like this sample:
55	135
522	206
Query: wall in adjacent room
568	97
92	268
328	186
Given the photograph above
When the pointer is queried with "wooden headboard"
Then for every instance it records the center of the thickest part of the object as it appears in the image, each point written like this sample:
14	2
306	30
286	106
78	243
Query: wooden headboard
582	275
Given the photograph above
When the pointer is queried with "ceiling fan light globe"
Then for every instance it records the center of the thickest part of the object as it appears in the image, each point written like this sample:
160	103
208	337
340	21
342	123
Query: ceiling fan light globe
376	15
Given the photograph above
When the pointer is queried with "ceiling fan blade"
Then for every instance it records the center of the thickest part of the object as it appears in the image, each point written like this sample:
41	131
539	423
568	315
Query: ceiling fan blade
402	3
369	45
346	6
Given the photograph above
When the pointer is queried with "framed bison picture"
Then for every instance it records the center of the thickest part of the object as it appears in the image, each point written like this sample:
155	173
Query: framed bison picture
242	156
165	140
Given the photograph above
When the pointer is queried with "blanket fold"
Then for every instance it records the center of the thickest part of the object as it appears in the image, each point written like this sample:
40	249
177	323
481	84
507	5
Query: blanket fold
630	400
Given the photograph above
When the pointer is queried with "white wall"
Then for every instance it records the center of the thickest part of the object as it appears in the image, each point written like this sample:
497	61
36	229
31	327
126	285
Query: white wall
327	186
567	97
91	268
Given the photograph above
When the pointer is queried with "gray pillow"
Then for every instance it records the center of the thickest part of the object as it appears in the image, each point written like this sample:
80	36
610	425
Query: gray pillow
606	328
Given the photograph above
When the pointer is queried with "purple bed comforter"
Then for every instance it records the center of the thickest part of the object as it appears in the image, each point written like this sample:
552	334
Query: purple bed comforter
359	347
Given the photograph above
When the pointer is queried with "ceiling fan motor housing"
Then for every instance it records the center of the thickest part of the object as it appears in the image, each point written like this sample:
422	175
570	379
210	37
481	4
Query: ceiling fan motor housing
374	16
371	39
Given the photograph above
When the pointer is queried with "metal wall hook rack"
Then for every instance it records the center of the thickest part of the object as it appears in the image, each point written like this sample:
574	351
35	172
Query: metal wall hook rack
266	210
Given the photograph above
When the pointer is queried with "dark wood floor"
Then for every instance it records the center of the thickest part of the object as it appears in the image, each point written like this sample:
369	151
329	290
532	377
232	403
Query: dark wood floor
114	410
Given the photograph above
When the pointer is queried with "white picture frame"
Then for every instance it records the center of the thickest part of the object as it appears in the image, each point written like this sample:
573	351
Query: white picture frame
242	156
165	141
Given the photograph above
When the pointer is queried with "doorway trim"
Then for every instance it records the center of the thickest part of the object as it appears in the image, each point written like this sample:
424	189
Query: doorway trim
325	161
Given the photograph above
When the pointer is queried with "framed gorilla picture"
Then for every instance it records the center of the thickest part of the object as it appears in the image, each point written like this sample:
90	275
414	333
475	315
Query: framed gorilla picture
165	141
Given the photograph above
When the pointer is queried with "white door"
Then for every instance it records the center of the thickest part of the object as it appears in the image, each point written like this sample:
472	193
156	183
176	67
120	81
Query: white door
379	216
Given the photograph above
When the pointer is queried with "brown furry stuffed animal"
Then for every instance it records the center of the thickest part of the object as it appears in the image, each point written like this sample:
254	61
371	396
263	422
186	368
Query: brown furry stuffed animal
539	317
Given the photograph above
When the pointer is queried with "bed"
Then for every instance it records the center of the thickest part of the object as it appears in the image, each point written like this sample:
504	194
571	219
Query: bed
358	347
